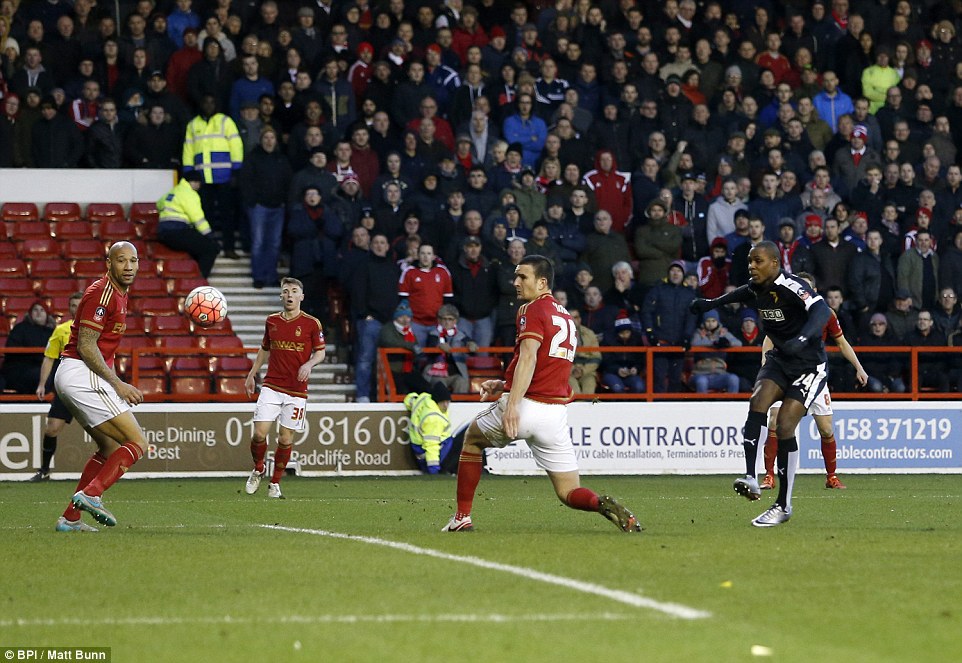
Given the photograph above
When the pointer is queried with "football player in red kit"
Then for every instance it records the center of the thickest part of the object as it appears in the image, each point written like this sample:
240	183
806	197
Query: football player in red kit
531	403
293	344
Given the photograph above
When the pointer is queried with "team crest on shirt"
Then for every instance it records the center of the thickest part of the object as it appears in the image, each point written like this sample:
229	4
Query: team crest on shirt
437	278
522	321
297	332
99	314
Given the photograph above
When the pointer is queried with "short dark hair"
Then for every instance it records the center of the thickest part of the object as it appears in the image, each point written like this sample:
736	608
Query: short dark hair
543	269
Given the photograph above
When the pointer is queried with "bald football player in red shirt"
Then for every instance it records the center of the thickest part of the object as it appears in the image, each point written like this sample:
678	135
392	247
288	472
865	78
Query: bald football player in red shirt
531	403
293	344
89	387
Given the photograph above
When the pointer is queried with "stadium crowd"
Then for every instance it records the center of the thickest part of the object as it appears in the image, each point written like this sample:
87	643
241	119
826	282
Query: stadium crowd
642	146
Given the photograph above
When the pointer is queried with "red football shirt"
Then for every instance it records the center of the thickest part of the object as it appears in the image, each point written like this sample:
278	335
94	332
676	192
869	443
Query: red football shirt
832	329
426	290
547	321
291	343
103	309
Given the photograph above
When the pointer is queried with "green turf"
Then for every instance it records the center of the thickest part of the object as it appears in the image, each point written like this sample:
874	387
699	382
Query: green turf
873	573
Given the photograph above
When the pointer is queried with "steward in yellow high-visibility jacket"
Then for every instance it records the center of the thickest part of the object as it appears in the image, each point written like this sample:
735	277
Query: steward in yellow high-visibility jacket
430	428
182	225
212	145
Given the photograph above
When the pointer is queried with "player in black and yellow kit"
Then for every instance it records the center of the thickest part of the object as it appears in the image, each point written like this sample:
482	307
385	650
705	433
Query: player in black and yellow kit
793	316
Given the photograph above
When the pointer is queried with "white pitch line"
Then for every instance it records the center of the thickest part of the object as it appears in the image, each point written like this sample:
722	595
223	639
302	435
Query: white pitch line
493	618
621	596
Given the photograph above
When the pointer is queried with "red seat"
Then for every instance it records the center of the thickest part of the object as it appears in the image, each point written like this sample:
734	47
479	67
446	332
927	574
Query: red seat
155	305
143	212
220	342
116	231
230	385
231	365
60	306
22	230
19	212
12	286
181	287
178	342
12	267
168	325
8	249
163	252
59	287
152	385
148	269
73	230
223	328
49	268
88	269
189	385
62	212
189	365
4	328
176	268
17	306
136	326
148	285
104	212
40	247
84	249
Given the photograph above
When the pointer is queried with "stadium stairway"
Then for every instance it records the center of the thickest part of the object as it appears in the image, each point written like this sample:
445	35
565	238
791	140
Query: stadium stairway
247	309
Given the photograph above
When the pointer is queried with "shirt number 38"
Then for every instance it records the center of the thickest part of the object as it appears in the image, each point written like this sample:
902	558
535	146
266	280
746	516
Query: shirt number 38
564	343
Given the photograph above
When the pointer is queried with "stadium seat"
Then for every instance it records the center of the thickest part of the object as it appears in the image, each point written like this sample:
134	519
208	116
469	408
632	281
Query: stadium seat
73	230
153	306
175	268
231	365
88	269
12	286
147	269
59	305
220	342
189	385
178	342
481	369
8	249
50	268
160	251
152	385
229	385
62	212
84	249
105	212
19	212
148	285
13	267
16	306
116	231
145	217
174	325
184	365
136	326
4	327
223	328
59	287
22	230
39	247
181	287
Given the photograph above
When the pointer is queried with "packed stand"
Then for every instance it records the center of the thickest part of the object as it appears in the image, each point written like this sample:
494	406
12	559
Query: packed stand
643	147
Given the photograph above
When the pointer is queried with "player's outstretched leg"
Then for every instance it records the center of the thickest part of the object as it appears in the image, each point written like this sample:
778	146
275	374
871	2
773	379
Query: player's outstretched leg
615	512
469	475
771	450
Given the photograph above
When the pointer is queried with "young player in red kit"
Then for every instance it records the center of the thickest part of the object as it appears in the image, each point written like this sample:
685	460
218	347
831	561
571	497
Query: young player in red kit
821	407
89	387
532	403
293	344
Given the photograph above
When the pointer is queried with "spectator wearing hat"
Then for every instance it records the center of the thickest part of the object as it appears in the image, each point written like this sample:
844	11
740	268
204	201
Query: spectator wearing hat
359	74
400	334
885	370
693	208
622	370
851	163
795	256
710	369
611	188
55	141
444	80
249	126
878	78
528	199
740	234
540	243
674	110
22	371
314	239
713	270
209	75
902	314
305	35
604	248
314	173
448	368
657	244
745	364
526	129
668	322
918	270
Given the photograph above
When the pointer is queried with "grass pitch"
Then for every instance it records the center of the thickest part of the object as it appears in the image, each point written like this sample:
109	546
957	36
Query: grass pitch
190	573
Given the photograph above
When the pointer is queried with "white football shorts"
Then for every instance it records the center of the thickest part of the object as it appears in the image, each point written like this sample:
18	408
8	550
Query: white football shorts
288	410
87	395
544	427
821	404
